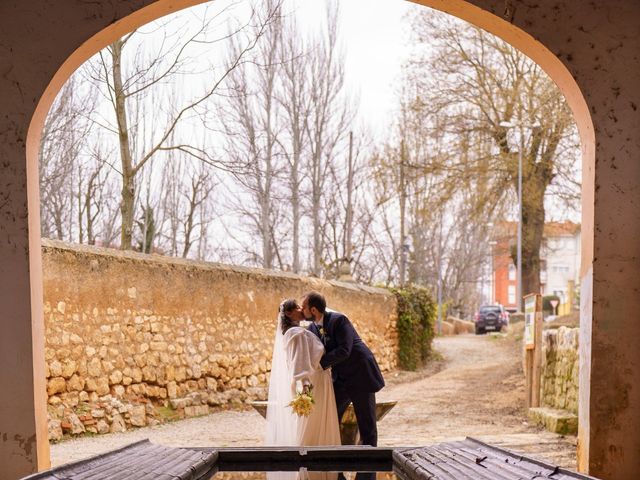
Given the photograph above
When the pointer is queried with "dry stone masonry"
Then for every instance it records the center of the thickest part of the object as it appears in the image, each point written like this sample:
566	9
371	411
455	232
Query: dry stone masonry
560	363
134	340
559	382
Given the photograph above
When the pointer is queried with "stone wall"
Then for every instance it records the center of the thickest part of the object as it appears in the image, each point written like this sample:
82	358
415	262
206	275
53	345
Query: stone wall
560	361
134	339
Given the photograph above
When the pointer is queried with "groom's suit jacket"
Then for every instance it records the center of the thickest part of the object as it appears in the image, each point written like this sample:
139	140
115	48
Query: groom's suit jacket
353	365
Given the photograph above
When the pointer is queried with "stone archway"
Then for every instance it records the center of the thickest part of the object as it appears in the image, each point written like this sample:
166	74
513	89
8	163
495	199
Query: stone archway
598	47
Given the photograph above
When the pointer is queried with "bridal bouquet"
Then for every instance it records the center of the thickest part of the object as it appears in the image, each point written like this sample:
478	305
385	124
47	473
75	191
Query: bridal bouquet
303	402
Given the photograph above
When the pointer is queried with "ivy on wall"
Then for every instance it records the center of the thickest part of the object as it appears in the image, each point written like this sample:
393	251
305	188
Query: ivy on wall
416	320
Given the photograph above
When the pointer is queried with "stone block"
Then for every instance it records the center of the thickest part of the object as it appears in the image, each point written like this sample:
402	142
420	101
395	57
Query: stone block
56	385
172	389
149	374
115	377
55	369
73	424
102	427
118	391
94	367
138	416
55	430
75	383
196	411
212	384
68	368
180	403
117	424
555	420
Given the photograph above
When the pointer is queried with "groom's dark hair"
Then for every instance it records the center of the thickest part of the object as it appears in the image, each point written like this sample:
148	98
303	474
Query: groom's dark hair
316	299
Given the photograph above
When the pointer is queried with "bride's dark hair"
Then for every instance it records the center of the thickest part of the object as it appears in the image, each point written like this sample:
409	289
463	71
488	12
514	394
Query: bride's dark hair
285	307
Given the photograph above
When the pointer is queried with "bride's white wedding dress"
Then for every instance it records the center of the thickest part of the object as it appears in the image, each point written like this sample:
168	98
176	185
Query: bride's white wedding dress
296	362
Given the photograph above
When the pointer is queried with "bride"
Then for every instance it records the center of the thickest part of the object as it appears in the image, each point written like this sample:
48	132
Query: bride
295	367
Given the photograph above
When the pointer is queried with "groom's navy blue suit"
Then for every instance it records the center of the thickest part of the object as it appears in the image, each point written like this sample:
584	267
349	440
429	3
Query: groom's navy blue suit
356	375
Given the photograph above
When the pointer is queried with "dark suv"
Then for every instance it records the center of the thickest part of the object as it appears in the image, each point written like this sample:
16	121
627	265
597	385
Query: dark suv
491	317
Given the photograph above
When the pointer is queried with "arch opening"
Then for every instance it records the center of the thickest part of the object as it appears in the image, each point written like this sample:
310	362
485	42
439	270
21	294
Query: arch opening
464	10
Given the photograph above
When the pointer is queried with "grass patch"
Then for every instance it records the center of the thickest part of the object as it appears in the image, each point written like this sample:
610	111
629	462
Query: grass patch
167	414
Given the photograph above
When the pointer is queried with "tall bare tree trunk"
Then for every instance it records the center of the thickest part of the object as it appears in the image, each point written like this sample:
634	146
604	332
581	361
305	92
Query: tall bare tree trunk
128	184
293	101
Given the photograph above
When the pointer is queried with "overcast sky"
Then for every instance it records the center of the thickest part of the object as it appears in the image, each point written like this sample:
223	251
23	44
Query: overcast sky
375	34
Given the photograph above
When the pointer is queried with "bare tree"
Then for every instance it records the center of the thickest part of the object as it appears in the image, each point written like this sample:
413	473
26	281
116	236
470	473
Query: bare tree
348	212
127	81
185	207
475	83
250	122
293	98
329	117
63	137
94	195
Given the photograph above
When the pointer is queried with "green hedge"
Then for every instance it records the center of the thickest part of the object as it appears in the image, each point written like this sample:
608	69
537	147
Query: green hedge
416	320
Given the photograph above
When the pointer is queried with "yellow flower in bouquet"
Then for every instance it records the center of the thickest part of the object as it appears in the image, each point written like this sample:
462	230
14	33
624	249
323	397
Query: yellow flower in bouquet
303	402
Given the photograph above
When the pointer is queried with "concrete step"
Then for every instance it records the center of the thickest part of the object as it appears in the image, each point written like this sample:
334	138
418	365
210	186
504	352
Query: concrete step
555	420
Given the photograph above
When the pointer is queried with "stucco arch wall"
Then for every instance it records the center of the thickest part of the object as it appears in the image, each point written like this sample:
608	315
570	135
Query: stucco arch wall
43	41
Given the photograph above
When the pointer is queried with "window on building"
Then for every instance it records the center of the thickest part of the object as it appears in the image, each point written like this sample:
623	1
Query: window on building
560	268
512	271
512	294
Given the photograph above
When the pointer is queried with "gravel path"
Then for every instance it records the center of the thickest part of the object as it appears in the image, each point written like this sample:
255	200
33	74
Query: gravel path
477	390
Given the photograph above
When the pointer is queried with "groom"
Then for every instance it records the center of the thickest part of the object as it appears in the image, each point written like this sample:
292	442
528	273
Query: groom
356	375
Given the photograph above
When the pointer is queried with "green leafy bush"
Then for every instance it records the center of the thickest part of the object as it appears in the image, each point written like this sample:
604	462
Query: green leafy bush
416	319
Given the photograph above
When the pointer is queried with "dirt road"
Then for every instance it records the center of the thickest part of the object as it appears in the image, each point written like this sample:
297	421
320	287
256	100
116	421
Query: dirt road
475	390
479	392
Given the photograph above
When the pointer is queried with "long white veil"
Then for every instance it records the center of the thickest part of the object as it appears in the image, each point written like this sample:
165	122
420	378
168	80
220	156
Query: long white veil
281	421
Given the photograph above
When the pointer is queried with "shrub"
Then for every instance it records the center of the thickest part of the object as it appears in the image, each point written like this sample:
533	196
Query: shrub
416	319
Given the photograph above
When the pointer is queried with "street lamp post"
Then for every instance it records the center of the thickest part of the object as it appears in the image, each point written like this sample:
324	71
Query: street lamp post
519	245
519	254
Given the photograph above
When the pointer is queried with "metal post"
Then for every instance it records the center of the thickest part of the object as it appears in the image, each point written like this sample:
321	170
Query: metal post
439	283
492	294
519	253
403	199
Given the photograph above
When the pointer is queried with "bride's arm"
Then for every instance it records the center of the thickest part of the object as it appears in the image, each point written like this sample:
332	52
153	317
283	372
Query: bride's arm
299	359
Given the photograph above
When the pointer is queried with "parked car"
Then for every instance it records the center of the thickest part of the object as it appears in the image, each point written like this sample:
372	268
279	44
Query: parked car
491	317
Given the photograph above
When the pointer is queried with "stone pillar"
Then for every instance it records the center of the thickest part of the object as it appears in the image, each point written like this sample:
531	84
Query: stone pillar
36	38
23	428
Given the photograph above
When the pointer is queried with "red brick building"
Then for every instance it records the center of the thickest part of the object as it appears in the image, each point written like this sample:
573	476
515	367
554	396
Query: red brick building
560	249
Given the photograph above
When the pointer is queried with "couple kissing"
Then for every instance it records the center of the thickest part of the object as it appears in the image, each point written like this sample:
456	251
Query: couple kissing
317	371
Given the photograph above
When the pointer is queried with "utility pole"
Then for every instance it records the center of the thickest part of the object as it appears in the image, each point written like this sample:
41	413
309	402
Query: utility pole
349	214
344	266
520	126
403	201
439	282
519	256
